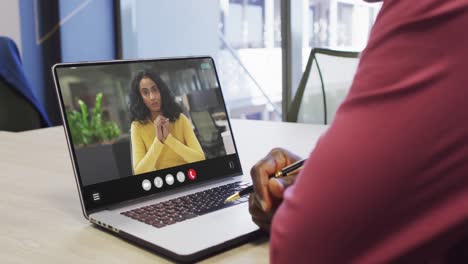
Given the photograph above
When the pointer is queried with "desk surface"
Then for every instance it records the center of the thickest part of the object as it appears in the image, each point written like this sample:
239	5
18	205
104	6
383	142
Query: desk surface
41	219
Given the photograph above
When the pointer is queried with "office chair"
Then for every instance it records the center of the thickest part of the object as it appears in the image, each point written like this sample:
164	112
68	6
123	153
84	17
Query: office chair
205	100
323	86
19	108
208	134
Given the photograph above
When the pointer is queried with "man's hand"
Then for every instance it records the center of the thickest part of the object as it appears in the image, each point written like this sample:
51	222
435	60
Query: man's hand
268	193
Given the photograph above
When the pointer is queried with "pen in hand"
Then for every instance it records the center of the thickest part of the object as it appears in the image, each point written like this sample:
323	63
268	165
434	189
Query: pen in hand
281	173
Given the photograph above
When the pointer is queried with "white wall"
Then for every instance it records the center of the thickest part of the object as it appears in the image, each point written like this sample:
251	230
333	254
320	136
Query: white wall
10	21
167	28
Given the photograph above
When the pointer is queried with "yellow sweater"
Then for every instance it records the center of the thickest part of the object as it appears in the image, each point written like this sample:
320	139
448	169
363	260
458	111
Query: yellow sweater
180	147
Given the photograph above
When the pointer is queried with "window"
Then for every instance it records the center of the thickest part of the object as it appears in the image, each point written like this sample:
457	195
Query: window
340	24
243	36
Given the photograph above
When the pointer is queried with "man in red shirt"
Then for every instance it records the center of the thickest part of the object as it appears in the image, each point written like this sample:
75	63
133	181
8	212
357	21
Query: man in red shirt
388	181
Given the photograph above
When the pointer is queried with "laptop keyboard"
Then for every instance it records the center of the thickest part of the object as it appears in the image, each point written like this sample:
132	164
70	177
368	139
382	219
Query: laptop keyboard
186	207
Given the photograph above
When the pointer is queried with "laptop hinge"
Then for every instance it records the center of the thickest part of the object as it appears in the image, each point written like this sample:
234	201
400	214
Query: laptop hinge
158	195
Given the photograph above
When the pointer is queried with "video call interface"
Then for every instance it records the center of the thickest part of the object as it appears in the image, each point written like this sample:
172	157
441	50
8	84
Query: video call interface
131	119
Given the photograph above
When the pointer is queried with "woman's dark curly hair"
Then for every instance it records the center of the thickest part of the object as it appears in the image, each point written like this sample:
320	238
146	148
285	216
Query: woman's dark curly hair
139	111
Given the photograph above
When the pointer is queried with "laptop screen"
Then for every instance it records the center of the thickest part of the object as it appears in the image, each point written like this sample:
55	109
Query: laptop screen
137	128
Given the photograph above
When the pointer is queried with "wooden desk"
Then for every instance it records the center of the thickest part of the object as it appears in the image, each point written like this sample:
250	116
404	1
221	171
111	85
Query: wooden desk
41	219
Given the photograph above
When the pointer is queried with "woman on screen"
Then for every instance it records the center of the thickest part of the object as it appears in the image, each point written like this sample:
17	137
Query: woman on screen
161	134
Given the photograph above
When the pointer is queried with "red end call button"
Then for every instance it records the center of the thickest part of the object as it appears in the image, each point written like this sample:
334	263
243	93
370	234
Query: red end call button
192	174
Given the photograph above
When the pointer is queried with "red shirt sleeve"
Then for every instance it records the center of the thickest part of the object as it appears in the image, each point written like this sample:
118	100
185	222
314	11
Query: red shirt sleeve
388	180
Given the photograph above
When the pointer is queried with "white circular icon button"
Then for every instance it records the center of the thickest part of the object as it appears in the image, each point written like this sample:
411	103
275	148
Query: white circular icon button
146	184
180	176
169	179
158	182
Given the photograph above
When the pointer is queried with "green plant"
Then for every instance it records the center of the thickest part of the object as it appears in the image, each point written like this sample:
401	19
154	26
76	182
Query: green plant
86	129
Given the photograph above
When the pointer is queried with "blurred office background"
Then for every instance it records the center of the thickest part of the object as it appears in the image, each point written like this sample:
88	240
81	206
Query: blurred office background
260	47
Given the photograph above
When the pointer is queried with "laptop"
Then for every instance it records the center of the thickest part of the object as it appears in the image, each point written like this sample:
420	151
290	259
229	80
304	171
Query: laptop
154	155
